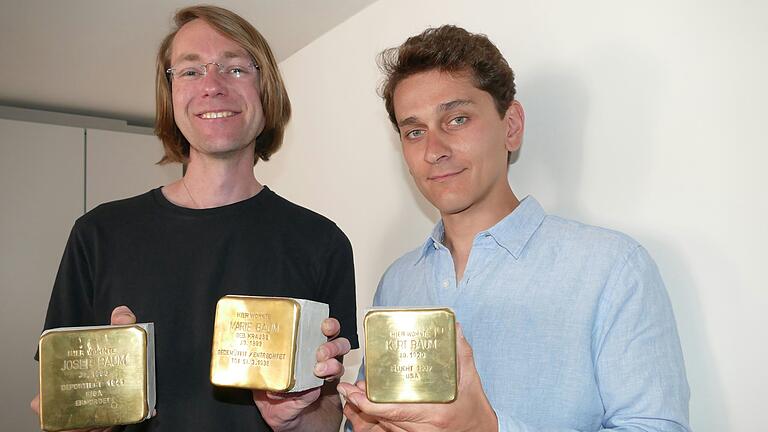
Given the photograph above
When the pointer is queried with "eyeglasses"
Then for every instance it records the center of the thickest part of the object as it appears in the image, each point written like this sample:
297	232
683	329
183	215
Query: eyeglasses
236	70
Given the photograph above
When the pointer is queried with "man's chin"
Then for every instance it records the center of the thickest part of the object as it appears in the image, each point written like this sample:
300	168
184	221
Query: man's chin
222	149
448	207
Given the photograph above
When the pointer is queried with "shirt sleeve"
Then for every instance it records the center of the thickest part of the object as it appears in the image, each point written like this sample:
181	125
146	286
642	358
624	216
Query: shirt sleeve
638	360
71	302
636	350
338	285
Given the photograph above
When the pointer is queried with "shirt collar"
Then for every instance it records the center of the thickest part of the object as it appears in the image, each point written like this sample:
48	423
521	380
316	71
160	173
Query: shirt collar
511	233
434	241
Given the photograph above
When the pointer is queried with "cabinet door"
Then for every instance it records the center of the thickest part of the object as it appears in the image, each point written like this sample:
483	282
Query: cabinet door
120	165
41	191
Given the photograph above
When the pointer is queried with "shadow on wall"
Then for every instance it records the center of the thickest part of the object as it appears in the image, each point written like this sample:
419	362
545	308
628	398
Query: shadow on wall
553	165
425	207
575	133
549	164
708	405
414	217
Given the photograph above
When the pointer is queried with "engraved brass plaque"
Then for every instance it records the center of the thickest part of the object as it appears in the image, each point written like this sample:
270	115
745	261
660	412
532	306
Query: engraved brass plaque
254	343
93	377
410	355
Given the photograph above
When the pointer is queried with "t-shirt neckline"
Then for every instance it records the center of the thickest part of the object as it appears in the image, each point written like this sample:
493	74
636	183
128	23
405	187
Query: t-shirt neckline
166	204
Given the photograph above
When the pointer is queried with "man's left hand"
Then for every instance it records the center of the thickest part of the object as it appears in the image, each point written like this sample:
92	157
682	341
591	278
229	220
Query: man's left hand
471	411
281	411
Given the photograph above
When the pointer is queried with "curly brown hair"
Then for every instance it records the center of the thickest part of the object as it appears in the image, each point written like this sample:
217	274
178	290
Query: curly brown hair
449	49
274	98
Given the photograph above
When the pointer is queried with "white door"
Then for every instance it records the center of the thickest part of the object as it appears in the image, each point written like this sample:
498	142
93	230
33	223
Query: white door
41	195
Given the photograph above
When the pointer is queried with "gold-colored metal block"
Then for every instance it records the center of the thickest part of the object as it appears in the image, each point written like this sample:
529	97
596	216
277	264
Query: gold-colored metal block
96	376
410	355
266	343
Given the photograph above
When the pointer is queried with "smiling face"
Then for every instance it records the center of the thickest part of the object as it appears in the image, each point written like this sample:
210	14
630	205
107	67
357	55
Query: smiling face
219	117
454	141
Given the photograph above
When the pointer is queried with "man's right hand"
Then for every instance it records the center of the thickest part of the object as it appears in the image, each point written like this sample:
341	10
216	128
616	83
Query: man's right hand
469	412
362	422
121	315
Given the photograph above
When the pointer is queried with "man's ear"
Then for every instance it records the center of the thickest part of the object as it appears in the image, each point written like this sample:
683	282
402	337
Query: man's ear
515	120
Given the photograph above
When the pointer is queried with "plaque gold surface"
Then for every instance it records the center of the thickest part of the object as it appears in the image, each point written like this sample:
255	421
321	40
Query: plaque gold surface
254	342
410	355
96	376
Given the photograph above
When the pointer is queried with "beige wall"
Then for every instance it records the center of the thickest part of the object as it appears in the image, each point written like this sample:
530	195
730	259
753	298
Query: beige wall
646	117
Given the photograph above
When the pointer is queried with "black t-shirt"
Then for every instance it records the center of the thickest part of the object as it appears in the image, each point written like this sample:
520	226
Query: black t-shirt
170	265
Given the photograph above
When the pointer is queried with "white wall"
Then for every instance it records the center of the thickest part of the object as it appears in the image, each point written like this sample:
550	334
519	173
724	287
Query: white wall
646	117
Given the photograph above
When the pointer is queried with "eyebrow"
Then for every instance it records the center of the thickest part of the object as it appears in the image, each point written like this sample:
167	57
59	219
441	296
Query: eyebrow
443	107
225	54
447	106
408	122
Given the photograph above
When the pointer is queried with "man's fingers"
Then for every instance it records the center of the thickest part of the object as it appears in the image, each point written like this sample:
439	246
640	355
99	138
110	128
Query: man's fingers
357	397
329	370
390	427
387	416
462	346
122	315
346	389
35	404
259	396
332	349
353	415
327	367
277	396
331	327
362	422
464	352
359	421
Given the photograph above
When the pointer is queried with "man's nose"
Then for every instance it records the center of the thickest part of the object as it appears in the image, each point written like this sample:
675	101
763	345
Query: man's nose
213	80
437	147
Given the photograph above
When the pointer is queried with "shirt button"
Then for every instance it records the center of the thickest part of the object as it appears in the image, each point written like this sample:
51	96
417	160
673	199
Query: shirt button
445	284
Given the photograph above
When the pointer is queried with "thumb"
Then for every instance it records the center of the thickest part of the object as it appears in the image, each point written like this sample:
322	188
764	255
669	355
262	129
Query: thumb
463	349
361	385
35	404
464	355
122	315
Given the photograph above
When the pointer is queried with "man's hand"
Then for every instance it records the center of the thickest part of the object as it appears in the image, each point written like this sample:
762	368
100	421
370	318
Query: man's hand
362	422
471	410
121	315
282	411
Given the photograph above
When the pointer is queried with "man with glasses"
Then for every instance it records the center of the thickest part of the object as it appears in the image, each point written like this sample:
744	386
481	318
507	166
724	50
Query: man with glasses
168	255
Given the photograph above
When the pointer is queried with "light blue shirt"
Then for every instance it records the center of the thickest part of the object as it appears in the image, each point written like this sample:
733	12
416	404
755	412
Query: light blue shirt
570	324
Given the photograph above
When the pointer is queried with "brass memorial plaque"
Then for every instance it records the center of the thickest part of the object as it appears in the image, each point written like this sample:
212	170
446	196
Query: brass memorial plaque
96	376
410	355
254	342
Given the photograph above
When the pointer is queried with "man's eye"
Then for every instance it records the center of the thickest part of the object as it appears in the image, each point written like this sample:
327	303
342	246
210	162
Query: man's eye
189	73
416	133
237	71
458	121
